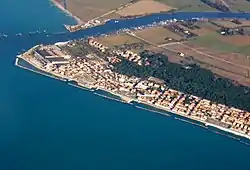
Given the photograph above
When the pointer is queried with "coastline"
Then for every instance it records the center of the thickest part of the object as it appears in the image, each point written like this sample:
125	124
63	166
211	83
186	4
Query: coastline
227	130
193	120
127	99
138	101
58	5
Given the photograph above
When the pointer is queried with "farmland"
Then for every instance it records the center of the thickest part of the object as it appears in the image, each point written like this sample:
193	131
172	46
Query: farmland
225	55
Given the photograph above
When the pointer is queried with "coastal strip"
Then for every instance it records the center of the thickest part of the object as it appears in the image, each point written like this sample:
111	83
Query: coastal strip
154	111
147	109
228	130
144	108
94	70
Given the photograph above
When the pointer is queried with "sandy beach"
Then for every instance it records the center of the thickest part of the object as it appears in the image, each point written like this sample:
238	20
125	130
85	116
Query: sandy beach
58	5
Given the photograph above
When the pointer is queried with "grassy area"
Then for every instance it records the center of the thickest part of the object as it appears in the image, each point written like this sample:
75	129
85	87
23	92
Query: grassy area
119	39
188	5
211	41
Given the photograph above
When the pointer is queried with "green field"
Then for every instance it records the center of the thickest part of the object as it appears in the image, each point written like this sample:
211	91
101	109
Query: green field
211	41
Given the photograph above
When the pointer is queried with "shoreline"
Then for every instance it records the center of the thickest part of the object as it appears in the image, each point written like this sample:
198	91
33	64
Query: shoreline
58	5
227	130
127	99
196	121
169	113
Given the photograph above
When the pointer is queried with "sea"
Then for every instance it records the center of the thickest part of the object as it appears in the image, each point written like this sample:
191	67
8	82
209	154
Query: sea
46	124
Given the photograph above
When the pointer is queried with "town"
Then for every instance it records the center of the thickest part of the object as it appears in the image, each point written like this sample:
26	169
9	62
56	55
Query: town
91	65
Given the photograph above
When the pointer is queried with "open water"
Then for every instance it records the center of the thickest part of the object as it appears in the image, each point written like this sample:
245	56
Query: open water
48	125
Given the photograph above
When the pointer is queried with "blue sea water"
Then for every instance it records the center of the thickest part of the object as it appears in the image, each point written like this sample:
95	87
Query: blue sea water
46	124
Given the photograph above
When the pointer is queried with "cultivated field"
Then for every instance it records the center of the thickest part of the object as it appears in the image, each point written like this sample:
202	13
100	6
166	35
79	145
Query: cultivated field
232	66
124	41
205	28
157	35
231	58
230	44
89	9
239	41
110	9
119	39
223	55
188	5
143	7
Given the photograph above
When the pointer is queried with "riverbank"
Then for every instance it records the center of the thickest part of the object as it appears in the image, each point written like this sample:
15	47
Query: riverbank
58	5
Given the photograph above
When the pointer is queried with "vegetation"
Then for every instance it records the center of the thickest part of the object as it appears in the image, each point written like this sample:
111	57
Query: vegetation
191	80
188	5
211	41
